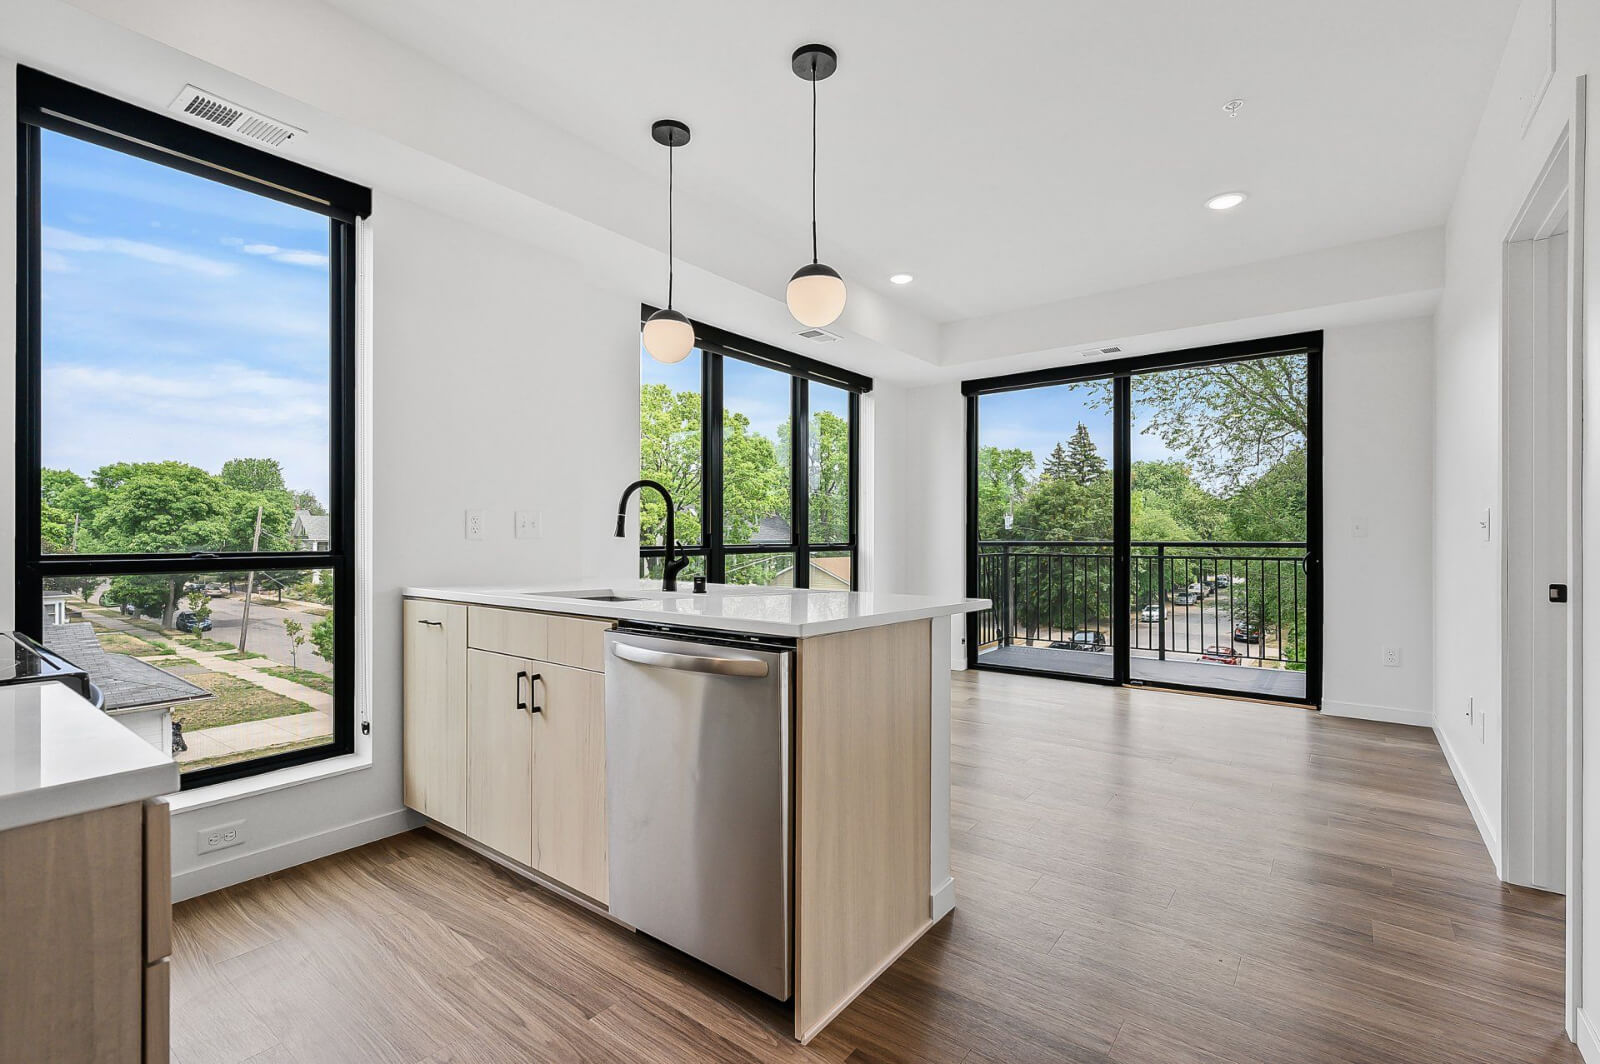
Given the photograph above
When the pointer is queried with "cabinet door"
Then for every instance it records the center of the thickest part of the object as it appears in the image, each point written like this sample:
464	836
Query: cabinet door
569	779
434	655
500	723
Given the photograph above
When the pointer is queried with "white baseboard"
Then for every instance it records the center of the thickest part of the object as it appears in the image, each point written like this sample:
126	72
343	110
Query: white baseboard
942	900
258	863
1588	1038
1470	796
1418	718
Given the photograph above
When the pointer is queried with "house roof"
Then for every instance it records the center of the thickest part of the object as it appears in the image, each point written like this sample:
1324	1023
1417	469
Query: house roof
773	529
126	682
308	525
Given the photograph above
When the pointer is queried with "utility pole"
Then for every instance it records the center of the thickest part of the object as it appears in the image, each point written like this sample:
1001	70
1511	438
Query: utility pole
250	584
74	548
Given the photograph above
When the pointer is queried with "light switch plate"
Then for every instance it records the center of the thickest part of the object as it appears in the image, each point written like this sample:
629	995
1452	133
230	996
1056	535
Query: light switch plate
529	525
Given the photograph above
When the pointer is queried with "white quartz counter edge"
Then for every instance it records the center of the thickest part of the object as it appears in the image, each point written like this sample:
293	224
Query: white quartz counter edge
797	614
60	756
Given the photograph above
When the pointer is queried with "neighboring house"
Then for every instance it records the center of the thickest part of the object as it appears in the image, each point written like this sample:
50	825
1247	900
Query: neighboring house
827	574
773	529
55	608
310	531
137	693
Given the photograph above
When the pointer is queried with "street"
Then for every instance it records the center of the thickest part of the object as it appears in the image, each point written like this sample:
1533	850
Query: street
267	635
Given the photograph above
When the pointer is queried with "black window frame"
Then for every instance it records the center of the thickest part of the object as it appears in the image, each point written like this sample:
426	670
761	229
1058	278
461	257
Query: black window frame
716	345
47	102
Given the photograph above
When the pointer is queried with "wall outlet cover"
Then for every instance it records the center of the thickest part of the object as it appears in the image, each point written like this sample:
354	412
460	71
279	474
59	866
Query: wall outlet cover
219	836
474	524
1391	657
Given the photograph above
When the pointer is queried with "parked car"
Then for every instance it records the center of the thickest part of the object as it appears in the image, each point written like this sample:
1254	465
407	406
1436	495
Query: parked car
187	622
1197	589
1152	612
1186	598
1084	640
1246	632
216	590
1221	655
1226	580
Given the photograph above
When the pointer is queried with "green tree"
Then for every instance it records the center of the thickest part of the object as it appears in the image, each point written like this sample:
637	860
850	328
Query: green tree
829	461
669	452
199	604
322	638
297	638
755	477
1055	467
1083	462
253	474
1003	479
305	500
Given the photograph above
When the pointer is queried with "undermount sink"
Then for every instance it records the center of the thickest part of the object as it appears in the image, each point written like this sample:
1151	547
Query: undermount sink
603	595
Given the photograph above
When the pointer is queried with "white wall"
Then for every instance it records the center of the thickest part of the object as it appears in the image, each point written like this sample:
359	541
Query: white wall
1378	471
1502	170
501	382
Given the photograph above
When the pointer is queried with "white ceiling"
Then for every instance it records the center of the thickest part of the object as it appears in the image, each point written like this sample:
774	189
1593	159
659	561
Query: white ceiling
1015	152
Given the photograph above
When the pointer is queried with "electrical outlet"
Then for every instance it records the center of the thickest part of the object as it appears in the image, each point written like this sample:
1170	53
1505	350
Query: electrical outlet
1391	657
219	837
529	525
474	524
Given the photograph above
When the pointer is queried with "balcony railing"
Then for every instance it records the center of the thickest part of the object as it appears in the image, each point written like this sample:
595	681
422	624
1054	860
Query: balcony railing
1235	602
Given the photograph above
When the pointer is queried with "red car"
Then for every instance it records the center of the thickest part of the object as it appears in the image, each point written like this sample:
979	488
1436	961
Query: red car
1221	655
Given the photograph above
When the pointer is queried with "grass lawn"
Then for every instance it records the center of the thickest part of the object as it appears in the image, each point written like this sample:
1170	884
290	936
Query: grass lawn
116	642
202	643
245	755
236	701
305	677
242	655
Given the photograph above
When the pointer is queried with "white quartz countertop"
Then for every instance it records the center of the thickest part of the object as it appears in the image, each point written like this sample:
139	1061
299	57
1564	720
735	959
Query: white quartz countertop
724	607
60	756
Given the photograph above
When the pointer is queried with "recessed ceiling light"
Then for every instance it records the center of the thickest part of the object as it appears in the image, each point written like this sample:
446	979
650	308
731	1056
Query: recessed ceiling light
900	278
1227	201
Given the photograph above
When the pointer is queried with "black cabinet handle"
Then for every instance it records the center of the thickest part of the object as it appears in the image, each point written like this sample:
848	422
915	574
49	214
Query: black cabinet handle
524	703
436	624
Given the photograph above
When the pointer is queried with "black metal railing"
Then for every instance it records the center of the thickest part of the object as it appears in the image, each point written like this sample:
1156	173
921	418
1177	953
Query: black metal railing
1234	602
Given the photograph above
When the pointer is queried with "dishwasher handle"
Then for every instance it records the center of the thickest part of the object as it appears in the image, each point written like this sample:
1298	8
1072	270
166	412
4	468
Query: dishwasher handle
666	659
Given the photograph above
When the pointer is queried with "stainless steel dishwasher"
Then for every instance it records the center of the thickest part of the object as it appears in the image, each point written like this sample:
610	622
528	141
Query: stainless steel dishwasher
698	795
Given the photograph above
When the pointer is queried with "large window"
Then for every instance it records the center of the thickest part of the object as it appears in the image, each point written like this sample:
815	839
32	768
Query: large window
185	428
758	447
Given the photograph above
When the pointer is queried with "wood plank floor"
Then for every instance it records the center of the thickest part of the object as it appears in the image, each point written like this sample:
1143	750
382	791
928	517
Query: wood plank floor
1142	877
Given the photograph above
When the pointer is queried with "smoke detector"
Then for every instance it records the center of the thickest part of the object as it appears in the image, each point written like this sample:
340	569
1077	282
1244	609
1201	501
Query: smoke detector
237	119
818	336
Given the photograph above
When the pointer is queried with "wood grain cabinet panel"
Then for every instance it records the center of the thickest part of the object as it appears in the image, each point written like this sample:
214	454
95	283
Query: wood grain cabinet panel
500	727
569	780
434	645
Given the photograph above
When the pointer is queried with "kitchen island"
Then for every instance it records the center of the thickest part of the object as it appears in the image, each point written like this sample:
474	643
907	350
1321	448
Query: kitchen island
506	750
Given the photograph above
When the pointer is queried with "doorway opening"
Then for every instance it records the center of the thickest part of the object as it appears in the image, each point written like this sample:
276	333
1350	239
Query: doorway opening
1152	521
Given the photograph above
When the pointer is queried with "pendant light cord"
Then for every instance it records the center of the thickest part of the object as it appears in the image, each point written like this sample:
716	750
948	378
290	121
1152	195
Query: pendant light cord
670	175
813	160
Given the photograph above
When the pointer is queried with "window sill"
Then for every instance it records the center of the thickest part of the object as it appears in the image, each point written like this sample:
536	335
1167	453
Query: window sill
250	786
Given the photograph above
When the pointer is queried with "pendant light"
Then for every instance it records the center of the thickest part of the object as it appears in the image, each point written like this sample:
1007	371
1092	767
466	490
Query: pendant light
816	291
668	335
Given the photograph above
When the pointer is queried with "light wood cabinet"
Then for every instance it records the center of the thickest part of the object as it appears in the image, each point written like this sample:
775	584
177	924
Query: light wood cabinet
569	779
505	734
500	726
434	645
85	902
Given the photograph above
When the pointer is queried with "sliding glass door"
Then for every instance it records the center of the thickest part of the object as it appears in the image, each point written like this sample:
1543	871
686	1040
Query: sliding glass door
1153	521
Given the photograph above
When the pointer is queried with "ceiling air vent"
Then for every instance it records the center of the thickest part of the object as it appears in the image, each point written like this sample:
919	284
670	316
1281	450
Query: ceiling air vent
1096	352
818	336
240	121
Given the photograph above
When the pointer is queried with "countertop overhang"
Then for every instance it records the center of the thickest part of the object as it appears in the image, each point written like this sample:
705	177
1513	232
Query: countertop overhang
798	614
60	756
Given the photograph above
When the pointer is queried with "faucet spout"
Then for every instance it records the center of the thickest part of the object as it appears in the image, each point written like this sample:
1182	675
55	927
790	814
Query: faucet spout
671	566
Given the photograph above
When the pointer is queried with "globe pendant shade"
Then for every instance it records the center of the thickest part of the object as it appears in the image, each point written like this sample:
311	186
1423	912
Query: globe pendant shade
668	336
816	295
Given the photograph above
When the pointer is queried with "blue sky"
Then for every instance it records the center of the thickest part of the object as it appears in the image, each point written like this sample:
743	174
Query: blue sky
759	393
182	319
1039	418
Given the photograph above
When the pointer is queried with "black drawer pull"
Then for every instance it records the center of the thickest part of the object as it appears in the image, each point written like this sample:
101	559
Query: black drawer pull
524	703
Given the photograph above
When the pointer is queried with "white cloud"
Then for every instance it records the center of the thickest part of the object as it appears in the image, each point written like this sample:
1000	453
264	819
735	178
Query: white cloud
54	262
64	240
288	256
